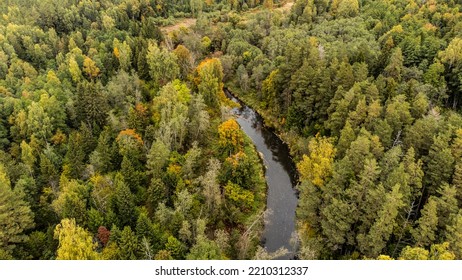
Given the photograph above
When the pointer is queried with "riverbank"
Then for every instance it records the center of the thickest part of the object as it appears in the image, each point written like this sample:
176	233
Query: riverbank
297	145
281	180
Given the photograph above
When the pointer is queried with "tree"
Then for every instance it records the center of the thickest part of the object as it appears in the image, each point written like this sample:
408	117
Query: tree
91	103
75	243
171	113
27	156
231	138
90	68
268	4
199	118
72	200
417	253
336	222
175	248
317	166
16	216
103	156
123	203
347	135
375	241
440	163
398	114
75	156
454	235
74	70
211	188
196	6
156	193
191	161
447	205
347	8
123	53
425	233
205	249
128	244
452	59
395	66
184	57
209	80
157	159
163	66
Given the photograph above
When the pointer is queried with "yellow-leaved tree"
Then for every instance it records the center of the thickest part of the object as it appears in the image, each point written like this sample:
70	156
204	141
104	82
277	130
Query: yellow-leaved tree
316	167
75	243
231	138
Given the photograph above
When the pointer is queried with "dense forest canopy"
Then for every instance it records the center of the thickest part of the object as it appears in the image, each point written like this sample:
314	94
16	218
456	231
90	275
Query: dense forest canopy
116	141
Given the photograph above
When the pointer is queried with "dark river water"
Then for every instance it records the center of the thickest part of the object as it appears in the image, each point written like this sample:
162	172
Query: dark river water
280	177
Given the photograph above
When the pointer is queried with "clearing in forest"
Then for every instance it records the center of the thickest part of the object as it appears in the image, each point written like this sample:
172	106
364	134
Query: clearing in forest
188	22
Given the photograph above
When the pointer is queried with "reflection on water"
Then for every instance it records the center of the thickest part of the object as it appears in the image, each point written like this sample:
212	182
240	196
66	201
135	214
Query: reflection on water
280	177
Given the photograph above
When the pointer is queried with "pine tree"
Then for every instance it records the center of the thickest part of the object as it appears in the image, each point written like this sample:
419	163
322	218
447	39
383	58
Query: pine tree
425	233
454	235
395	66
413	168
375	241
75	156
440	163
336	223
447	205
16	216
91	103
123	202
103	156
347	136
128	244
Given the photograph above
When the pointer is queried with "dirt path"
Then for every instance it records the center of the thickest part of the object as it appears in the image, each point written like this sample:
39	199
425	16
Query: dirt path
286	7
188	22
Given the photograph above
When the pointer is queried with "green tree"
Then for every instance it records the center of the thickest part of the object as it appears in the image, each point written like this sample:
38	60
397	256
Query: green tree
123	203
196	6
425	233
123	53
348	8
16	216
375	241
128	244
185	59
72	200
157	159
454	235
347	135
440	163
91	103
395	66
74	161
163	65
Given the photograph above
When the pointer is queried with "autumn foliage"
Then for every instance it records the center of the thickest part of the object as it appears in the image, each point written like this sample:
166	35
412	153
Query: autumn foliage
231	138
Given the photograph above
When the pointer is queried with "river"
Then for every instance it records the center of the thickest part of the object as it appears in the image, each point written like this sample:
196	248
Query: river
280	176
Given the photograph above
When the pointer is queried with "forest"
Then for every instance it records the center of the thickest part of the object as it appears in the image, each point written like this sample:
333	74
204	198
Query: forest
116	140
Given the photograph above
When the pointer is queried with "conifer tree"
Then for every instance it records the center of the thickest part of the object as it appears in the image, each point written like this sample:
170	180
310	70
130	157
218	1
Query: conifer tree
425	233
16	216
